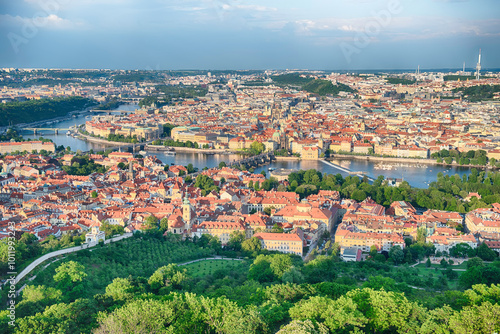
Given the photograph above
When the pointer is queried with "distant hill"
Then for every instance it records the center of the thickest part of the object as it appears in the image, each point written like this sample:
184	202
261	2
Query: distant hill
291	79
397	81
39	110
478	93
325	87
316	86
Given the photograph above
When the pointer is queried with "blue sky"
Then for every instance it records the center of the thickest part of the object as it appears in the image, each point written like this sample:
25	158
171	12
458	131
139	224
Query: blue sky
239	34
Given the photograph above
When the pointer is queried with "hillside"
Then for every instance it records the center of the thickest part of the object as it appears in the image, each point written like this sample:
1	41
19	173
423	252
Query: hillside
39	110
316	86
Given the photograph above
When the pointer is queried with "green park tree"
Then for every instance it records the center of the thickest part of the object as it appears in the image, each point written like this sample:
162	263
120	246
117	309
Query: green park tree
70	279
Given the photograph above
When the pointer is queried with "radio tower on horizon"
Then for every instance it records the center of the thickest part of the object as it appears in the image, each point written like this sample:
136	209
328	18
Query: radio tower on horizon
478	66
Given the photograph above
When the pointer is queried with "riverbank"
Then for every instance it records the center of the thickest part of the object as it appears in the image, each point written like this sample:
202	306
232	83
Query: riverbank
68	117
384	159
403	160
287	158
91	139
161	148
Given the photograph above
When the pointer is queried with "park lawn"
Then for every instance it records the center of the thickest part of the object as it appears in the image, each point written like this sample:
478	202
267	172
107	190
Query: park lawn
208	267
452	284
460	266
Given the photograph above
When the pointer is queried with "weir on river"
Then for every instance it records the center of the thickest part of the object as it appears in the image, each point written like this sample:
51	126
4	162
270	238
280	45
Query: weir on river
346	170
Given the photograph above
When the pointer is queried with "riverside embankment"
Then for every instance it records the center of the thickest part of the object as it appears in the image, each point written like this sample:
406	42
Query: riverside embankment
402	160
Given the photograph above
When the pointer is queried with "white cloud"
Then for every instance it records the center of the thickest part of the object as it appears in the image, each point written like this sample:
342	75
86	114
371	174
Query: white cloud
397	28
256	8
51	21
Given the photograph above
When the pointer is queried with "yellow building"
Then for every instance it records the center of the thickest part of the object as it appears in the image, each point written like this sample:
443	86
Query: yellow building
290	243
494	154
310	153
28	146
484	220
383	149
221	230
346	146
183	136
305	212
365	240
237	143
362	148
335	146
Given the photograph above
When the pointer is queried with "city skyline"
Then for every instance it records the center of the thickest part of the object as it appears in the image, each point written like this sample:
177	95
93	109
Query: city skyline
218	34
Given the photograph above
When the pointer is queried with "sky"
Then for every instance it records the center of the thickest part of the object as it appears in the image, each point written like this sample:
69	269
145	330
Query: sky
254	34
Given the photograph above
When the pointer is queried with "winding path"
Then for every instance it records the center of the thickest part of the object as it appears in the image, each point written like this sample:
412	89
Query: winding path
210	258
45	257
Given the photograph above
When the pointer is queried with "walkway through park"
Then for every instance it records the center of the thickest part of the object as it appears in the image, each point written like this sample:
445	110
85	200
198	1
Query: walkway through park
48	256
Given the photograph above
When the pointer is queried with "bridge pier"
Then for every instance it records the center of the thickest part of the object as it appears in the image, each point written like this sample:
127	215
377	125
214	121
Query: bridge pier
34	131
56	131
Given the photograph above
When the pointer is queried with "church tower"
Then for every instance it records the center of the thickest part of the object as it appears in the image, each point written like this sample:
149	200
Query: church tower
130	173
187	213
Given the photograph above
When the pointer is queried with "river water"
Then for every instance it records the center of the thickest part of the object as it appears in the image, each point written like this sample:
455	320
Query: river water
417	175
74	143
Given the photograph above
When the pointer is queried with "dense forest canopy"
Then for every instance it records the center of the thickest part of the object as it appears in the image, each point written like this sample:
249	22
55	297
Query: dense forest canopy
135	286
38	110
316	86
478	93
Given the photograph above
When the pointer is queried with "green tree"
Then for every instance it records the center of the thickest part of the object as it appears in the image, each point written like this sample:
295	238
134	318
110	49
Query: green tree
379	282
151	222
421	235
205	183
140	316
164	224
70	279
235	241
462	250
251	245
36	298
280	263
486	253
170	276
256	186
474	262
321	269
396	254
293	275
480	275
120	289
111	229
260	270
451	274
303	327
257	148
